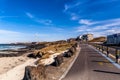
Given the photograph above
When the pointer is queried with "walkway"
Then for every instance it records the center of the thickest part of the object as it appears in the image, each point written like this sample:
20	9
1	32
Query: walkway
90	65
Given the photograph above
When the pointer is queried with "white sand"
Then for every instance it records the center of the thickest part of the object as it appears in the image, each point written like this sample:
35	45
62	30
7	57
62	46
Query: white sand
50	60
17	72
7	63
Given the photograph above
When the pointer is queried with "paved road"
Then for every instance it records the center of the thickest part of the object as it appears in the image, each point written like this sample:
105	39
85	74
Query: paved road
90	65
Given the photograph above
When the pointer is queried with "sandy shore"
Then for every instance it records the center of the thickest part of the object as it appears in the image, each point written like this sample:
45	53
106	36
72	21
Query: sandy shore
12	68
7	63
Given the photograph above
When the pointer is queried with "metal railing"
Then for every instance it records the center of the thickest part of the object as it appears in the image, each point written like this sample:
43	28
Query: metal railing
108	50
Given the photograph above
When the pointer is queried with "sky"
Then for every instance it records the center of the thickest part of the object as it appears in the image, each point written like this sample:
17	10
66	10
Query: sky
50	20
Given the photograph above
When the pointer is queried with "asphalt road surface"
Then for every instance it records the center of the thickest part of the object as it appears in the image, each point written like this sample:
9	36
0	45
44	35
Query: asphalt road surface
90	65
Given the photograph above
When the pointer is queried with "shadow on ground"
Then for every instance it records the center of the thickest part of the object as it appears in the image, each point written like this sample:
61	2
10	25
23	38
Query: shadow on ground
106	72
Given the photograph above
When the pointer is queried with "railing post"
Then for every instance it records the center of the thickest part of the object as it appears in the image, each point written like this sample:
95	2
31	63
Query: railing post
96	45
102	48
107	51
117	55
99	47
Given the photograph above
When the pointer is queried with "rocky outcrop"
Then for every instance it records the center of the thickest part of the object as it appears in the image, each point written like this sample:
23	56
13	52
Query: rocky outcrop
67	54
55	59
36	46
37	55
58	60
31	55
34	73
71	51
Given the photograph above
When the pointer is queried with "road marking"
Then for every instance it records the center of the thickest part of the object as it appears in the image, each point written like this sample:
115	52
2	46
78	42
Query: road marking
115	64
100	63
65	73
85	74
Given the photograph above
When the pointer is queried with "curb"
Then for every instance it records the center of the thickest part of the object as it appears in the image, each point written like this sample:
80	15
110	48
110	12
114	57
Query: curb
65	73
115	64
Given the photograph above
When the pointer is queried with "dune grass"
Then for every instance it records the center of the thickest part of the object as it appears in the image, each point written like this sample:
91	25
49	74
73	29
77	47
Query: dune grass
52	49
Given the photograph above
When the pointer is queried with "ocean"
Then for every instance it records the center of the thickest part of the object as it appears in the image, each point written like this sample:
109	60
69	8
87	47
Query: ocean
9	47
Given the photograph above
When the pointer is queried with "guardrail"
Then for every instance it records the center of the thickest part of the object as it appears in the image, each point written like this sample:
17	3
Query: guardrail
114	52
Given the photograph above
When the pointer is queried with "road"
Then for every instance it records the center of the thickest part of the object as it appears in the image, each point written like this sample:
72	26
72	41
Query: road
90	65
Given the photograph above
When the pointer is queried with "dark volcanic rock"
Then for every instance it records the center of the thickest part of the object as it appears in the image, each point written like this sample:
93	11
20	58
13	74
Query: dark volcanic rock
36	46
58	60
68	54
39	55
71	51
32	55
34	73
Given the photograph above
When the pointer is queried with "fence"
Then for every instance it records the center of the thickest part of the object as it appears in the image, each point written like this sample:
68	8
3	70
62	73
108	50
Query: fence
109	51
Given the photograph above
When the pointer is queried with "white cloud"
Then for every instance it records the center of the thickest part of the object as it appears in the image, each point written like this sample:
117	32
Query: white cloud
110	31
8	36
40	35
98	28
7	32
70	6
85	22
66	7
74	16
100	25
81	28
45	22
29	15
41	21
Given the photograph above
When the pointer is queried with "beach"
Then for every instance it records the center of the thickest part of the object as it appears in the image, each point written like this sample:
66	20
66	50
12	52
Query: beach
13	60
12	68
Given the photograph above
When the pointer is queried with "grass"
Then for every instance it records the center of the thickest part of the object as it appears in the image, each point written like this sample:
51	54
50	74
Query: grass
54	47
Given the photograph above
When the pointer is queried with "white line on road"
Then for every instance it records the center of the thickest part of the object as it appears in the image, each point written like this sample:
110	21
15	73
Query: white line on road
115	64
65	73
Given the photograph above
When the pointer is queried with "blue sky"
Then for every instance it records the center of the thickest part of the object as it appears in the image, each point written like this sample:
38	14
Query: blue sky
49	20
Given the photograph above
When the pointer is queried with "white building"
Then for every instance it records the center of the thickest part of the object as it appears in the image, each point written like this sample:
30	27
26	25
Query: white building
113	39
86	37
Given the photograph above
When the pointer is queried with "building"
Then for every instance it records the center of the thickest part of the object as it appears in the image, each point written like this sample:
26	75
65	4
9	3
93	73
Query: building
86	37
113	39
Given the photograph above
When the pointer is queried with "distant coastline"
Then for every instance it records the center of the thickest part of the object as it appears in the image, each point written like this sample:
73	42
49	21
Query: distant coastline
11	46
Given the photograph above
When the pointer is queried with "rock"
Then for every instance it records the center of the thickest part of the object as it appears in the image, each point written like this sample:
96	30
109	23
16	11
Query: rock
72	49
39	55
68	54
35	55
31	55
34	73
58	60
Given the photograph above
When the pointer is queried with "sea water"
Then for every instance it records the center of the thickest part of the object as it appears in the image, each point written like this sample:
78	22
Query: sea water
9	47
